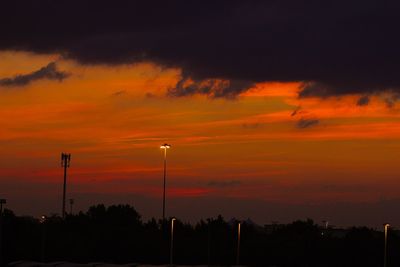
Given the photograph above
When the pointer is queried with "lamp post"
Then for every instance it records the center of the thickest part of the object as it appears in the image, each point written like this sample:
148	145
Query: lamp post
164	147
2	202
386	226
238	246
42	221
171	251
65	160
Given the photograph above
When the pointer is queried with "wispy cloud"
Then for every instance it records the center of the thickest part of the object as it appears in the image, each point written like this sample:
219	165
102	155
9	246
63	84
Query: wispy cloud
250	125
307	123
213	88
119	93
49	72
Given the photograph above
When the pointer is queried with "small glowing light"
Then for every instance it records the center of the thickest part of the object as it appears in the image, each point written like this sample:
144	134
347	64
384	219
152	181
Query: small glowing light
43	218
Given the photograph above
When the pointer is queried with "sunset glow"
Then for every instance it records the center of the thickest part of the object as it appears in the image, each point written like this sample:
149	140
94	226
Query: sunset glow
267	144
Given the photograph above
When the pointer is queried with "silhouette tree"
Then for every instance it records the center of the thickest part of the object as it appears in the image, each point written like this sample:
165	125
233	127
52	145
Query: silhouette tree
116	234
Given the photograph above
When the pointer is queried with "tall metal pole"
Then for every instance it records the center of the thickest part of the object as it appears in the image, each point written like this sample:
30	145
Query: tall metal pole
64	190
171	251
386	226
209	244
65	160
165	147
238	246
43	219
165	176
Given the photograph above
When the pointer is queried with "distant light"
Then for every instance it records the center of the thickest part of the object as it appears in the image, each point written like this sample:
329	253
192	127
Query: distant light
43	218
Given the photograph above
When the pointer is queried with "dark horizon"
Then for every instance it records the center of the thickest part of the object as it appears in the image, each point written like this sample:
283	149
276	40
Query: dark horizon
117	235
341	215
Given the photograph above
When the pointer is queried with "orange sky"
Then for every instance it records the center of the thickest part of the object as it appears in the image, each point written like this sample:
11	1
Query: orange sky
113	119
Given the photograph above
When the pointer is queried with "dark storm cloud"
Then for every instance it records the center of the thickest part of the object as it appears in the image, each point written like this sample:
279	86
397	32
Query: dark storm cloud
335	47
48	72
306	123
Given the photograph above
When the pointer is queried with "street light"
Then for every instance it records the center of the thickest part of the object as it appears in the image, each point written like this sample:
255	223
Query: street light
386	226
171	252
165	147
238	246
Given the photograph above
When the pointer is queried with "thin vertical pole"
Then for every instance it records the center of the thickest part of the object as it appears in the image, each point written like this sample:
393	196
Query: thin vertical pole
171	252
65	185
65	160
385	252
43	243
165	175
238	246
209	244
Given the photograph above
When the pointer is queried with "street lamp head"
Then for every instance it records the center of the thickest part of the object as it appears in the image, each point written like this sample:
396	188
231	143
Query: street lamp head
386	225
165	146
173	219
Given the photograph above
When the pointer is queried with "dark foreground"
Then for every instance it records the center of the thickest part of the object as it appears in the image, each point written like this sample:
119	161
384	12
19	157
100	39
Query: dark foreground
94	264
118	235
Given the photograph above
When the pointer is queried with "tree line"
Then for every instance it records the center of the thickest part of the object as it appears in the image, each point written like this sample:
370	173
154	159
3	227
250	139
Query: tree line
117	234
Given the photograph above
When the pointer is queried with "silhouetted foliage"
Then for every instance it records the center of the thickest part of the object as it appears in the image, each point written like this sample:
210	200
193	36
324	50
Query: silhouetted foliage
116	234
